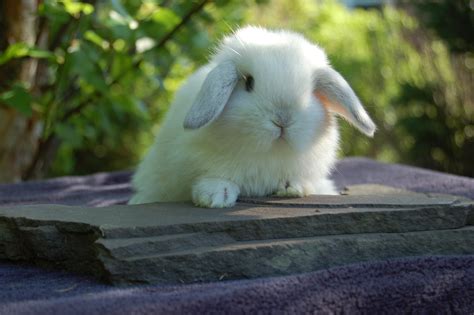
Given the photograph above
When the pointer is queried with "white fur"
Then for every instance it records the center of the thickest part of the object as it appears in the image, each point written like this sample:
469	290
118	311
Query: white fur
237	149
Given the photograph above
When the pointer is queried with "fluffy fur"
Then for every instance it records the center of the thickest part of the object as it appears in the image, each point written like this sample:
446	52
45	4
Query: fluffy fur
219	140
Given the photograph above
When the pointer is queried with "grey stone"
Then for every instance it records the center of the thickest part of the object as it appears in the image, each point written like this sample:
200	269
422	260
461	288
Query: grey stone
251	259
177	242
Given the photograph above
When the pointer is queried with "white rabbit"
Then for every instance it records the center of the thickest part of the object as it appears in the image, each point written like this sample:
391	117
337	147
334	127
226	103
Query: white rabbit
258	119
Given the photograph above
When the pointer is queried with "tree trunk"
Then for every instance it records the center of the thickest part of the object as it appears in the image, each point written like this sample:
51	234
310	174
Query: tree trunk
19	135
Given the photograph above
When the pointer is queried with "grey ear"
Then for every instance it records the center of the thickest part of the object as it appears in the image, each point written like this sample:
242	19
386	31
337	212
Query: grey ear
337	96
213	96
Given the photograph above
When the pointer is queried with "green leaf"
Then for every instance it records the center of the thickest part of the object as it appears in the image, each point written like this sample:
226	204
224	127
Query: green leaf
54	12
161	21
74	8
96	39
84	63
19	98
20	50
16	50
40	53
165	17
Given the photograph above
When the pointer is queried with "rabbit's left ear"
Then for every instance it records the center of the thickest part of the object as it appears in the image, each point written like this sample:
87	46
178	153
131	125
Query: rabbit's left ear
214	94
337	96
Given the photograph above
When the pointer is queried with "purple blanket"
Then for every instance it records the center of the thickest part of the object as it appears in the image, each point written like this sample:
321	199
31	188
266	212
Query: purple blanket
441	284
434	285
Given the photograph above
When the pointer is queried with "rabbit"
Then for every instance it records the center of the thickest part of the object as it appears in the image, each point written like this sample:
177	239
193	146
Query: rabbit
258	119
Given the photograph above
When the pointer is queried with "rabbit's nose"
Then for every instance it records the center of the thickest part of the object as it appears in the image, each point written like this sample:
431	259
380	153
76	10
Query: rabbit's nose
278	124
282	120
281	126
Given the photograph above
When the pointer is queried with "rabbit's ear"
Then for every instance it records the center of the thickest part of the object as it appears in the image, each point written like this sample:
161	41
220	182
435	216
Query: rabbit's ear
337	96
213	96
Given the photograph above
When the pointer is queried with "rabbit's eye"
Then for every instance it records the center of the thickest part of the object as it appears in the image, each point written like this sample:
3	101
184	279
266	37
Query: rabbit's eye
249	82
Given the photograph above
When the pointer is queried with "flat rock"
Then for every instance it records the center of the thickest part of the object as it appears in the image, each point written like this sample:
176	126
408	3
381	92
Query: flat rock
177	242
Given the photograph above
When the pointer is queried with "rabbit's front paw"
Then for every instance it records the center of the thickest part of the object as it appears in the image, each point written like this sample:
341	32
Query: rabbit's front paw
290	189
214	193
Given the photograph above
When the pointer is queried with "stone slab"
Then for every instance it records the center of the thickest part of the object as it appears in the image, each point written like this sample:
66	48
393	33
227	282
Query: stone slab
177	242
254	259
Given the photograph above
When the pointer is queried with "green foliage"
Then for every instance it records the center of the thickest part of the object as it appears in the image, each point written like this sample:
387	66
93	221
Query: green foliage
452	20
20	50
113	67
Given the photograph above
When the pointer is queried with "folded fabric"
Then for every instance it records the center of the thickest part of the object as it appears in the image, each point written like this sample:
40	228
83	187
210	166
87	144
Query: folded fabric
430	285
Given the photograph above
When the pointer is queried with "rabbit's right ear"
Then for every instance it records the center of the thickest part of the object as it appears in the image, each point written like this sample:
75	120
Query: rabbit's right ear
213	96
337	96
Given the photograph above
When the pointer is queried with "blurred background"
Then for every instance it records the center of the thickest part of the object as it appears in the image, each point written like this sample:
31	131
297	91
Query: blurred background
84	85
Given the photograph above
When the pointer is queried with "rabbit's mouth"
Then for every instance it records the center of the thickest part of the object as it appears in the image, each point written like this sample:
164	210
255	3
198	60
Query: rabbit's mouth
282	138
281	130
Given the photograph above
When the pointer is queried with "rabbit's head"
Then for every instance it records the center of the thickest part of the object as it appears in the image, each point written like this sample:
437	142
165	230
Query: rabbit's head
273	89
